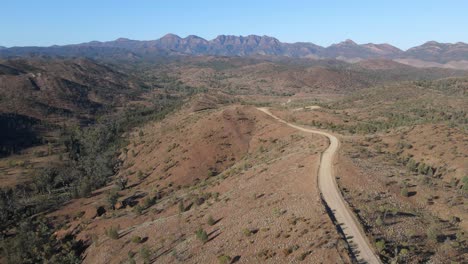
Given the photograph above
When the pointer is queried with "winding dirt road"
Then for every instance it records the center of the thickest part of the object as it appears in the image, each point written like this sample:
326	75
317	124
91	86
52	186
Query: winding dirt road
332	196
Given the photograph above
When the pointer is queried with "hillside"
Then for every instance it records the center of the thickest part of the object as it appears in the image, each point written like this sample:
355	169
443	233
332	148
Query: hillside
403	166
40	87
268	76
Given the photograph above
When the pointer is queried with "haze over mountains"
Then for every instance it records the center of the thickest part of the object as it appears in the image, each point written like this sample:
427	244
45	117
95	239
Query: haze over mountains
432	54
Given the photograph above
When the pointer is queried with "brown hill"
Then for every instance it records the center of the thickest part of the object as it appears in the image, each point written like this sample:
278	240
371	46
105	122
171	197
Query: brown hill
222	164
263	75
381	64
439	52
44	87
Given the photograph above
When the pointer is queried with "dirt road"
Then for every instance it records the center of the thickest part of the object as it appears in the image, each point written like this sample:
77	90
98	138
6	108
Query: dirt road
332	196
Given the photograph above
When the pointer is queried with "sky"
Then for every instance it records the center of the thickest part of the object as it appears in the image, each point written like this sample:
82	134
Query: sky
400	23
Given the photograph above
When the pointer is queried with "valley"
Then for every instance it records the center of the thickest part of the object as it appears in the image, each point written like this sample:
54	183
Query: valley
231	159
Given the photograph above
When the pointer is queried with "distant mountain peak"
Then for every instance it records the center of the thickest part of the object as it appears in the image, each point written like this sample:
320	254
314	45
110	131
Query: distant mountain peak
349	41
122	39
432	42
171	36
194	37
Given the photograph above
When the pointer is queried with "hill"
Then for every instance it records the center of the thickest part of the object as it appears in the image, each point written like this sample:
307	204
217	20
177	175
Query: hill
285	76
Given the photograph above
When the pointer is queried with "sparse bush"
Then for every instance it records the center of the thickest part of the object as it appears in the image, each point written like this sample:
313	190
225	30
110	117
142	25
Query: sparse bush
404	252
121	183
411	165
278	212
145	254
148	202
140	175
112	198
379	221
138	209
465	183
422	168
380	245
113	232
302	256
182	207
211	220
432	233
247	232
136	239
202	235
404	191
224	259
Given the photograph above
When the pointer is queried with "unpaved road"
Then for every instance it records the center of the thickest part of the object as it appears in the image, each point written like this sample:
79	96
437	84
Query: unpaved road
332	196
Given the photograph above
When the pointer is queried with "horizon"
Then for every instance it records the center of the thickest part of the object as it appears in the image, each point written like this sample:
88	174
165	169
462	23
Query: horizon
403	25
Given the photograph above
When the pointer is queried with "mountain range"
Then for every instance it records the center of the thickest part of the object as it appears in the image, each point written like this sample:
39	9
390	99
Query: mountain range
431	53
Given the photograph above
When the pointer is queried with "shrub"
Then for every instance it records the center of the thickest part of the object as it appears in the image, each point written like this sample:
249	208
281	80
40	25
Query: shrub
211	221
202	235
422	168
404	252
138	209
302	256
112	198
140	175
224	259
465	183
148	202
247	232
145	254
430	172
131	260
380	245
113	232
411	165
379	221
136	239
404	191
121	183
432	233
181	206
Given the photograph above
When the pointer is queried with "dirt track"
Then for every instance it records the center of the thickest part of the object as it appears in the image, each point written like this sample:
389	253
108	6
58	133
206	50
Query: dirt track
332	196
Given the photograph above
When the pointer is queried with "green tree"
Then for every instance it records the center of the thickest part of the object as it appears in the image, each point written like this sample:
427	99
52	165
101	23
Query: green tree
380	245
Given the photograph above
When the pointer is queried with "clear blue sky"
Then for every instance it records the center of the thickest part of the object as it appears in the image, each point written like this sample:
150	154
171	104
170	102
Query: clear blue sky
401	23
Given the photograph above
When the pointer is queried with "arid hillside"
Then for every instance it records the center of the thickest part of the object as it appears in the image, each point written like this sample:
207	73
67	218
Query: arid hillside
227	184
286	77
46	87
403	164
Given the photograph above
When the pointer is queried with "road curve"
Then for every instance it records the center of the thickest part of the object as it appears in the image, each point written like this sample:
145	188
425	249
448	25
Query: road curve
332	196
